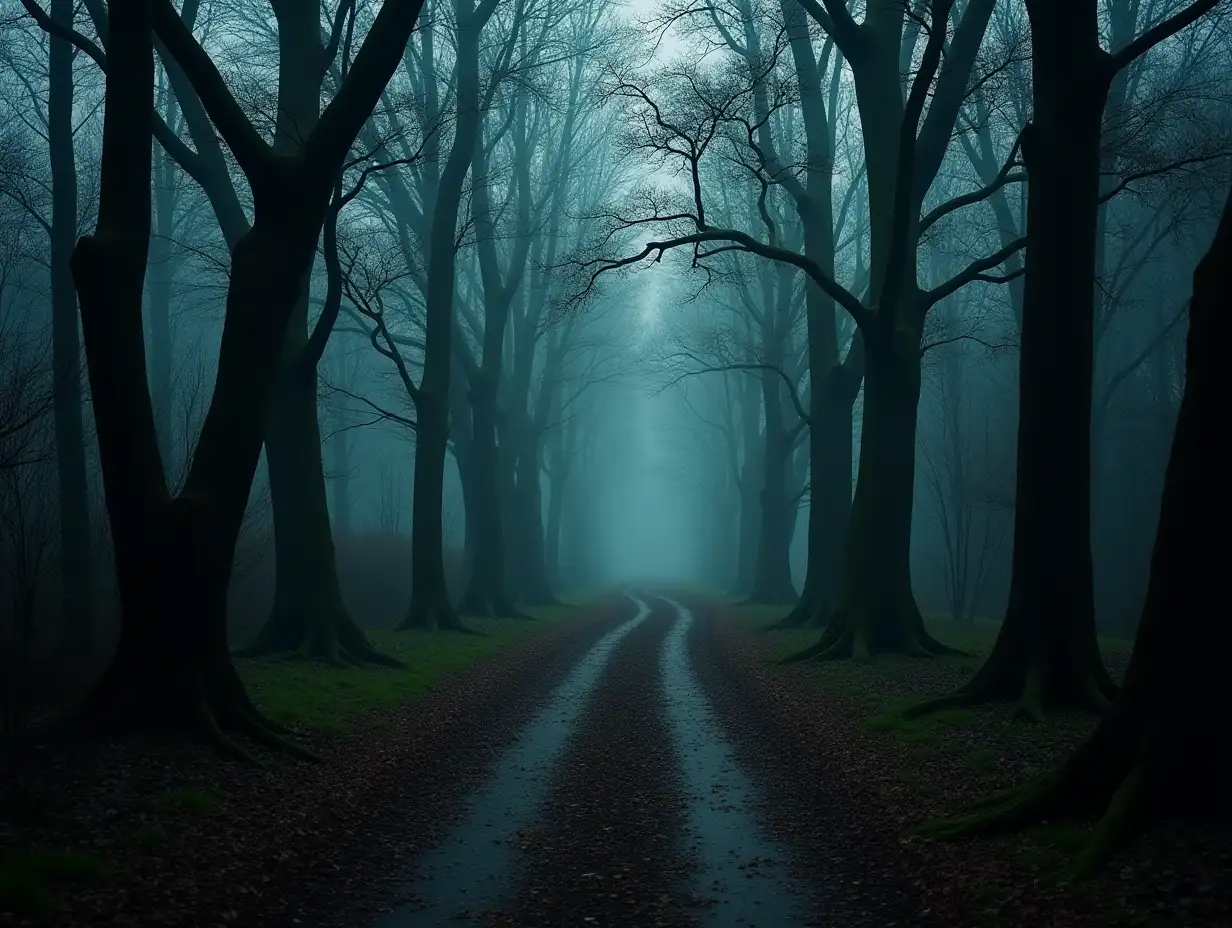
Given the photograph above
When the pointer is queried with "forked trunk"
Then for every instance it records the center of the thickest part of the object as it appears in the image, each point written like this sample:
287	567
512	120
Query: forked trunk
174	556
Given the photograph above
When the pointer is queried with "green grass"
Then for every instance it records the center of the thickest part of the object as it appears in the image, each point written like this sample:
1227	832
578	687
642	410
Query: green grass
311	696
976	637
29	876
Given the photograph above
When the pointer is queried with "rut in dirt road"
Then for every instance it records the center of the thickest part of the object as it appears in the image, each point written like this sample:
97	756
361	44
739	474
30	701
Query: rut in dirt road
742	873
473	868
620	805
607	851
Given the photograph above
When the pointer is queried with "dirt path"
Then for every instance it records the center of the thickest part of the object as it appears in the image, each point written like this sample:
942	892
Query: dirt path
621	801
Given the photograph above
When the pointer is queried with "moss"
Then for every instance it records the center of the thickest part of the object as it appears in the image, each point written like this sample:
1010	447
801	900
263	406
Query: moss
312	696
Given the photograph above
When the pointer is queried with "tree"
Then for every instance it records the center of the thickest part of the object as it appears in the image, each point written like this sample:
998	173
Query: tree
1151	755
1046	654
173	555
877	611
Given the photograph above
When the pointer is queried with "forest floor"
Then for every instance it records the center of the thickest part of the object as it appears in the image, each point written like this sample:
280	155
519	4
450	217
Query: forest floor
164	832
636	764
843	742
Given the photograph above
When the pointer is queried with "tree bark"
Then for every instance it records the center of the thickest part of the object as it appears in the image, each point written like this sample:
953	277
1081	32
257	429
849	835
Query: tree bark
161	279
772	583
173	556
309	617
877	611
1047	655
430	606
486	592
76	555
1151	754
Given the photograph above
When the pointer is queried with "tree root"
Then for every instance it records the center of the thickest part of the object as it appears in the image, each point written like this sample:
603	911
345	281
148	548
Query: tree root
802	615
1003	678
843	640
1114	774
434	616
206	711
331	636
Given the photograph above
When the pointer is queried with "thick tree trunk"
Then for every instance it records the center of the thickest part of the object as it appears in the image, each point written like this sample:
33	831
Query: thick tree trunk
1047	654
309	618
76	555
173	556
1151	754
877	611
830	456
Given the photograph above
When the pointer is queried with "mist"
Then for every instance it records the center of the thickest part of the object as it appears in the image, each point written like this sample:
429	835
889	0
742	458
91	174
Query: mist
626	464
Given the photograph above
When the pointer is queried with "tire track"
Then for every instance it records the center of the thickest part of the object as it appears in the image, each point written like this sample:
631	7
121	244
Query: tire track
607	851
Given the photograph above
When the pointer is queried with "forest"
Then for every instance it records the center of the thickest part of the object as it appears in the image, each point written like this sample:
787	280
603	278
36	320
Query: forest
672	462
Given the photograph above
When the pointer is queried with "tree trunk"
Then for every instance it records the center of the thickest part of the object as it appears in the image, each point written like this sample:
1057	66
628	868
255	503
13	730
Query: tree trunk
528	505
556	507
1151	754
1046	654
76	555
877	611
340	489
309	617
430	606
161	278
486	592
772	582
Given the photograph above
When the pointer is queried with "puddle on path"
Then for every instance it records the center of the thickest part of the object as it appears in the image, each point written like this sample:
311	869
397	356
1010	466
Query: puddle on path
472	869
741	870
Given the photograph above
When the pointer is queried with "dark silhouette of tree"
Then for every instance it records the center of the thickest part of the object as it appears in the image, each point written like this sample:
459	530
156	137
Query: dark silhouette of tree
1151	754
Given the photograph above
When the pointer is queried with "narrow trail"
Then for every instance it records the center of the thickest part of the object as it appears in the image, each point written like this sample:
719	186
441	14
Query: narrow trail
619	803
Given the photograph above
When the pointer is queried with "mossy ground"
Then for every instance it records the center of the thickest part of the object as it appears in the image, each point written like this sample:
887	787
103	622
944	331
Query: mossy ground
317	698
943	760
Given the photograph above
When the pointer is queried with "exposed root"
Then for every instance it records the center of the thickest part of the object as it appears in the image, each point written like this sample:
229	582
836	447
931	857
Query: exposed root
802	615
434	616
844	639
330	635
955	700
1004	812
